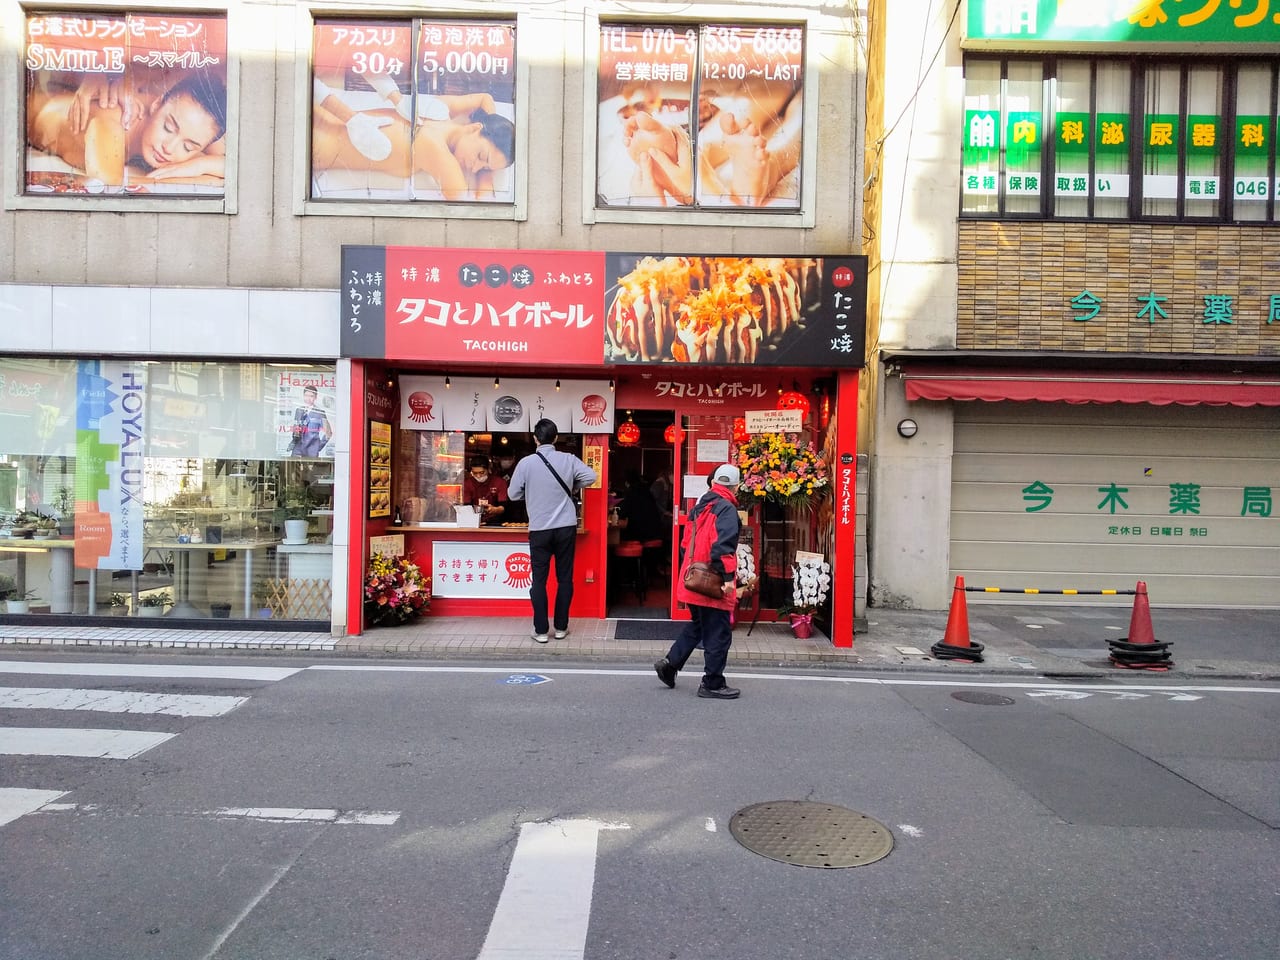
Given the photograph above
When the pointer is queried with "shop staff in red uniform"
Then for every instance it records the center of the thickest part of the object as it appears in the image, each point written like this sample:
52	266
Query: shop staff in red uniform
483	485
710	624
548	482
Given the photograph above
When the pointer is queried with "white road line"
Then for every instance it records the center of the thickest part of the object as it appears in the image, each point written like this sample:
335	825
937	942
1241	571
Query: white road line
116	701
545	904
1101	686
381	818
55	742
174	671
16	801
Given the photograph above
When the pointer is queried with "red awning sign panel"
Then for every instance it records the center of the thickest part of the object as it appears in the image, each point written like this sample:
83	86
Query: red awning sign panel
1062	386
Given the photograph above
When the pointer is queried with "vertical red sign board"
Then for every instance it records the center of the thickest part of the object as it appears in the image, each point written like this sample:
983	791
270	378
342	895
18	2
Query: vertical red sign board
844	477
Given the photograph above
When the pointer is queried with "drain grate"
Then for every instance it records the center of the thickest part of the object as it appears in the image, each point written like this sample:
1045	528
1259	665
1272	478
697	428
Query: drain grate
811	834
984	699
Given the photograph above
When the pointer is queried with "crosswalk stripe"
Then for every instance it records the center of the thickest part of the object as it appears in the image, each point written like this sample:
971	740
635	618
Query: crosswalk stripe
171	671
116	701
381	818
18	801
545	904
59	742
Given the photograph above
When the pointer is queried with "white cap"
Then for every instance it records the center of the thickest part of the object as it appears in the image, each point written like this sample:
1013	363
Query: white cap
727	474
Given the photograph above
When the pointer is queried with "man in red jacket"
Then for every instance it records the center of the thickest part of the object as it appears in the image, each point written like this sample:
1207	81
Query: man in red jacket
710	624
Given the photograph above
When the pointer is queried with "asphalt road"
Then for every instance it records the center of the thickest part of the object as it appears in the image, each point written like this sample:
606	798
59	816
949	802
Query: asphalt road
452	812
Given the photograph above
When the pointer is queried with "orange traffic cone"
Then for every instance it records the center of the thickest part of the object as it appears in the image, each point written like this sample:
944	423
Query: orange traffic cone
955	643
1140	650
1140	630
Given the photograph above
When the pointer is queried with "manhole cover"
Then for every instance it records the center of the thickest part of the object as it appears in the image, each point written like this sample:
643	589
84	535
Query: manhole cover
811	834
985	699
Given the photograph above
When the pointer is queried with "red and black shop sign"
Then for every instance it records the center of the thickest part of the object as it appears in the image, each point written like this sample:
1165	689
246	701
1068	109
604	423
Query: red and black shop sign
534	307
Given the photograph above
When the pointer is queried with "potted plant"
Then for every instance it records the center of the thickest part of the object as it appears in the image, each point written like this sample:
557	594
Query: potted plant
23	524
14	600
152	604
119	603
65	505
265	598
298	505
810	583
46	527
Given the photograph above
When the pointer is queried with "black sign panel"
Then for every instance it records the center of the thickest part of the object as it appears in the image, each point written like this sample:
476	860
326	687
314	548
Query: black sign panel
364	297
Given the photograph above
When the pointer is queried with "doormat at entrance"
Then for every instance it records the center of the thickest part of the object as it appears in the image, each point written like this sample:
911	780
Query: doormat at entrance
648	629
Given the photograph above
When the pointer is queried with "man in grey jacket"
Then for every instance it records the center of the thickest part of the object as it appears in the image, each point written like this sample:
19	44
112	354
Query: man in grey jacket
548	482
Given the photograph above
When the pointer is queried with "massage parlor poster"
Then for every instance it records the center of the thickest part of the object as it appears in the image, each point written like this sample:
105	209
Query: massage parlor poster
539	307
389	125
125	104
706	116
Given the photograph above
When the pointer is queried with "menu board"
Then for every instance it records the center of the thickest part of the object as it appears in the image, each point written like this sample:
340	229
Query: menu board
379	469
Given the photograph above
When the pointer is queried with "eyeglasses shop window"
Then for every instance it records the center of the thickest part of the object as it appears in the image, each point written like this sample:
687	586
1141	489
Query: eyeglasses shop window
414	110
125	104
168	475
703	117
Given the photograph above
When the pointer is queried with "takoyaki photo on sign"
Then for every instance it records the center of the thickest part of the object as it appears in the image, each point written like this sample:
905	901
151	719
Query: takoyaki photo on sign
736	310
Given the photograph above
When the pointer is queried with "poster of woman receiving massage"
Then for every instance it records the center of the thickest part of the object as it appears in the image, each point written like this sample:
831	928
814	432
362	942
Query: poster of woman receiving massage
413	110
707	117
125	104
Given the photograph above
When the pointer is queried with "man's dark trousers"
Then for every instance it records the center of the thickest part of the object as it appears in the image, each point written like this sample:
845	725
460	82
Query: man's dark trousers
711	627
559	543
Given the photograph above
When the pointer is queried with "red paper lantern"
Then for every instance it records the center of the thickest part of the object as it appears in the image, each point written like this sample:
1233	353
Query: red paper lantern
628	434
673	434
795	400
740	434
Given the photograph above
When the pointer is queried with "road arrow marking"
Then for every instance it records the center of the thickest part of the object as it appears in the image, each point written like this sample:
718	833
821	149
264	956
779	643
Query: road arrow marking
1059	694
1129	696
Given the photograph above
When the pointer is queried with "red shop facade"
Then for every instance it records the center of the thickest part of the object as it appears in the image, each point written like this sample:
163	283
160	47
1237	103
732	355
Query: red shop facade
655	368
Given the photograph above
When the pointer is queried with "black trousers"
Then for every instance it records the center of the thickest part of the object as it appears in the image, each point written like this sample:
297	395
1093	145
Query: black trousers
710	626
544	545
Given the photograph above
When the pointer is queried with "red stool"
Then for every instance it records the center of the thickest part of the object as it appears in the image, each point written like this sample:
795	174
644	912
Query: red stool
629	566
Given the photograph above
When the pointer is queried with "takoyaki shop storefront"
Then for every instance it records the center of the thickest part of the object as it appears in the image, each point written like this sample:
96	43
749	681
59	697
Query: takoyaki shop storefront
655	370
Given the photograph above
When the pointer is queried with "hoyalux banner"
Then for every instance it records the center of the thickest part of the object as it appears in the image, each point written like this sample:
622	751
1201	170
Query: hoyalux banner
564	307
111	403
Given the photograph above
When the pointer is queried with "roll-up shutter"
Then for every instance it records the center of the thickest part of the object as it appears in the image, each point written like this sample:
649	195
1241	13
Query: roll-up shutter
1056	496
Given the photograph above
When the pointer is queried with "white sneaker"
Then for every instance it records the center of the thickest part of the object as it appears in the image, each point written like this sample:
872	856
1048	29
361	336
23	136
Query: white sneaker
561	634
540	637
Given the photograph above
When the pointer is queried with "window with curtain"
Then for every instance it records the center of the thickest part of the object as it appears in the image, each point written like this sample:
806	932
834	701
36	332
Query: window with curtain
1116	138
1255	133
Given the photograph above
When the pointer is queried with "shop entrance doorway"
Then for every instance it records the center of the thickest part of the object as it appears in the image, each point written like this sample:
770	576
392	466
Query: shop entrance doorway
642	502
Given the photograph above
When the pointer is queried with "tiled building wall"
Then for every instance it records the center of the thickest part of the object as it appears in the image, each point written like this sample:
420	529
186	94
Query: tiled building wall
1017	282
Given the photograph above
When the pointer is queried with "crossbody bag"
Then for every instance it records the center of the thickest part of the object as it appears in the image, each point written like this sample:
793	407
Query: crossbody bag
559	479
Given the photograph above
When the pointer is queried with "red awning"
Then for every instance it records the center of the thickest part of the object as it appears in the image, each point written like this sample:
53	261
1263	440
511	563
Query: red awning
1083	386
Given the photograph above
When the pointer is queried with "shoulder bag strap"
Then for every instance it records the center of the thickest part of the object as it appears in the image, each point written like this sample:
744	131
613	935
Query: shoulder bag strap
559	479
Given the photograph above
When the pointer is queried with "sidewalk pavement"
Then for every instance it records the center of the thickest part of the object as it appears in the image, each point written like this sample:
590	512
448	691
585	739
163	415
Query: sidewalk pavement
1058	641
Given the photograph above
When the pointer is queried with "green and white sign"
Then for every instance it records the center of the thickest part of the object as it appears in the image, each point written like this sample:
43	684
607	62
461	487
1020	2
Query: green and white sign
1124	21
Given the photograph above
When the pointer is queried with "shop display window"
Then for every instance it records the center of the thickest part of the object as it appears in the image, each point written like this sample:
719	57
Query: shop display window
181	489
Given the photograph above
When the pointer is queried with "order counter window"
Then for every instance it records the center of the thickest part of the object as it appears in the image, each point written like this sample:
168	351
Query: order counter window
456	478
